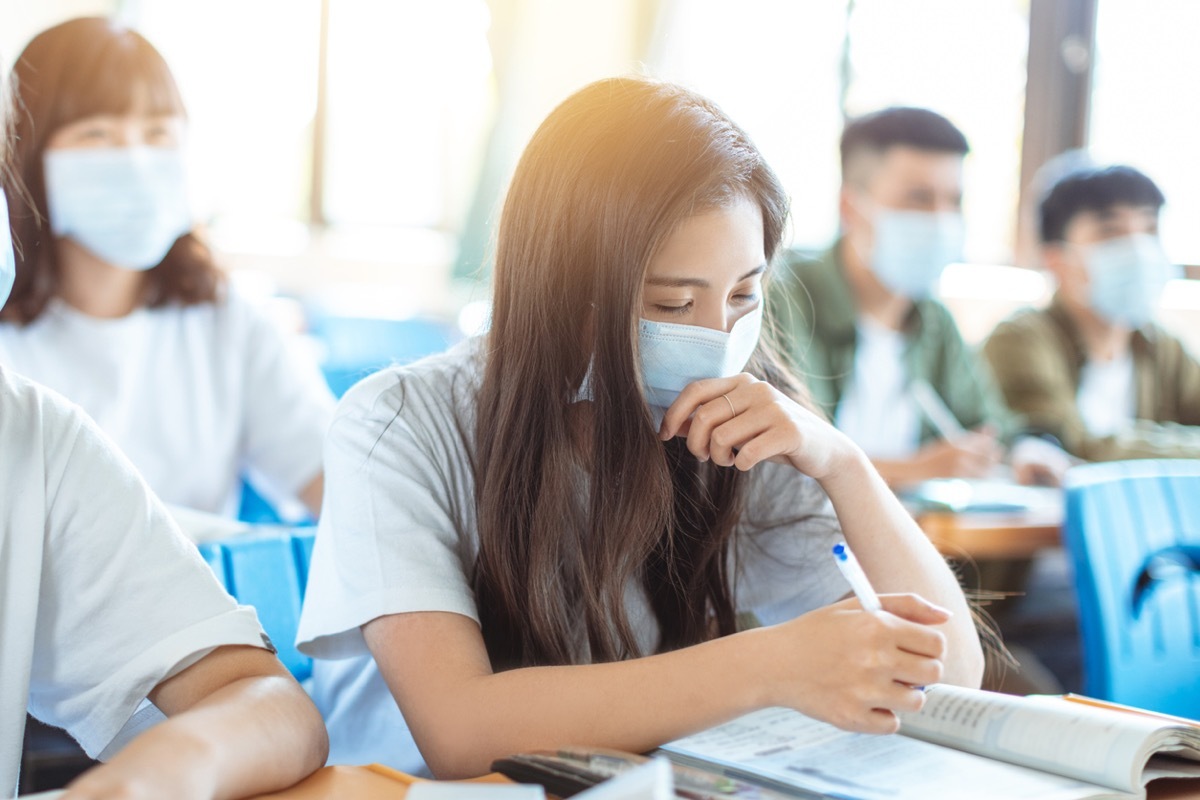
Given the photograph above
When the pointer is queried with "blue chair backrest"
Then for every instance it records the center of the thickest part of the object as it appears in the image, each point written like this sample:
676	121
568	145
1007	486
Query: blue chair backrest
354	347
1133	532
268	571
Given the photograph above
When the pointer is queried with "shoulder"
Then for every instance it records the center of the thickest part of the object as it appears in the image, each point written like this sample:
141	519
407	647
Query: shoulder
1025	327
1165	343
433	398
26	406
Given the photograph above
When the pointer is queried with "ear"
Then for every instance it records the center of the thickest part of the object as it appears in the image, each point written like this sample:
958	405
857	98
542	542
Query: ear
1065	264
848	213
1055	258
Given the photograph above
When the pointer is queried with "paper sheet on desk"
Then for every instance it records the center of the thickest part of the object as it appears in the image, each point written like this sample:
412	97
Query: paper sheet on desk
961	495
793	750
460	790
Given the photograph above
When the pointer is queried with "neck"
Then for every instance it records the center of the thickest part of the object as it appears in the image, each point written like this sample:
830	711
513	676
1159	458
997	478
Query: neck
94	286
1102	340
871	298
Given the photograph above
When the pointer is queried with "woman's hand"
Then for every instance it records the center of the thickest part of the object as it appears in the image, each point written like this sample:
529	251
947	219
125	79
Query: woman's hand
856	669
742	421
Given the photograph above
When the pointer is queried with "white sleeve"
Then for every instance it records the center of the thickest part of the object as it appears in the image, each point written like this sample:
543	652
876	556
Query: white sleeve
125	601
390	538
286	405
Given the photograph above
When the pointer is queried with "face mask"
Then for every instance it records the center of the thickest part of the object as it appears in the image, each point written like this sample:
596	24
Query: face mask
675	355
913	247
8	260
1127	277
127	205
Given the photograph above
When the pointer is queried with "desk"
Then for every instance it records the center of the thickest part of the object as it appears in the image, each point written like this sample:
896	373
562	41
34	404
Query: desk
376	782
334	783
986	535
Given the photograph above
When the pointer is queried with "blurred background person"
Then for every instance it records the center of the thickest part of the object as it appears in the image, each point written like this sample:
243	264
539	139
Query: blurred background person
861	323
120	306
1092	368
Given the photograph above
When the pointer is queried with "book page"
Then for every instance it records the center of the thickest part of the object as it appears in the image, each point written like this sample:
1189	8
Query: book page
782	748
1091	744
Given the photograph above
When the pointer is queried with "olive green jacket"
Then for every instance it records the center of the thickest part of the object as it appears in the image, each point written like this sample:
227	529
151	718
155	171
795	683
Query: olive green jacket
1037	357
812	310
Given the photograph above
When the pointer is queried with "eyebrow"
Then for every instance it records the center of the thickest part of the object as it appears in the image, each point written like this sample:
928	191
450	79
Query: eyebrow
699	283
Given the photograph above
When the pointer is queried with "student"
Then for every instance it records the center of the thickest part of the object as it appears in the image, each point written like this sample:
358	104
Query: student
1092	369
105	604
564	532
862	325
118	304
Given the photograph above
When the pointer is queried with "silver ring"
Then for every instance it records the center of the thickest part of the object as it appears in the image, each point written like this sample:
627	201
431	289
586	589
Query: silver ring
732	410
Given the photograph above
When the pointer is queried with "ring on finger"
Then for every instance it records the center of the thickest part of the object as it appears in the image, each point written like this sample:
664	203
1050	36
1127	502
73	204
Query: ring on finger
732	410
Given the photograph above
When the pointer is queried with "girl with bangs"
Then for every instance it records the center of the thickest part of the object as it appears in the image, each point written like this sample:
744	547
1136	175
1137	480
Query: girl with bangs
119	305
608	520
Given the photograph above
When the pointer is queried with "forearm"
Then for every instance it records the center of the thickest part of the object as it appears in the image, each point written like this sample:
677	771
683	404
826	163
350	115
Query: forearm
252	736
898	557
632	705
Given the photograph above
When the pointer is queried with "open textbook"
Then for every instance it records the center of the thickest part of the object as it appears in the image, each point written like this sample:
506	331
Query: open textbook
963	743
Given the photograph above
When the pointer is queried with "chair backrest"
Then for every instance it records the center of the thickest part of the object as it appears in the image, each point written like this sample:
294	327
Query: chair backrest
268	571
1133	532
354	347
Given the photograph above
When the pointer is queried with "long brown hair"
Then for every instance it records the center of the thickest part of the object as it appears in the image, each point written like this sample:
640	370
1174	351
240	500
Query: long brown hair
605	179
78	69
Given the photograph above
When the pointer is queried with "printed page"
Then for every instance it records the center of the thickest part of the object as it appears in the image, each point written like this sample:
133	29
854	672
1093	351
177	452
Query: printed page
790	749
1090	744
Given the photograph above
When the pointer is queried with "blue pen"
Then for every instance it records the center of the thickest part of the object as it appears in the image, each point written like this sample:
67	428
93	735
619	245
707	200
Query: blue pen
853	572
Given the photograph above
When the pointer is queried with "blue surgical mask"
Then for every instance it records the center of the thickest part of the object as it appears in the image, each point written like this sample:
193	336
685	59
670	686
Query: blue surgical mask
912	248
8	259
1127	276
675	355
127	205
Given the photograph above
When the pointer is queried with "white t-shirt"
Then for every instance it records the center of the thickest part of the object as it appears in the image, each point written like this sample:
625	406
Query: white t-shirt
398	534
1106	396
196	396
877	411
101	598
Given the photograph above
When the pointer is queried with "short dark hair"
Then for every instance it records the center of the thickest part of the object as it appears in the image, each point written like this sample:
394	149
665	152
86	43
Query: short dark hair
1092	188
918	128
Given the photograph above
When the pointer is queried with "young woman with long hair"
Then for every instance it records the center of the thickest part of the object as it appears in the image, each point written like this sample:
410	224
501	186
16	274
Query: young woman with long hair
608	520
120	306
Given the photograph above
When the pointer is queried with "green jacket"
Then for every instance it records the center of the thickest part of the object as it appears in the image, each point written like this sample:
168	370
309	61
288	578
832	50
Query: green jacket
1037	357
812	310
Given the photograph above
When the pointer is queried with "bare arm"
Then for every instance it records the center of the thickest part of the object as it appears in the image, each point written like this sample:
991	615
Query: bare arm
239	725
974	455
312	494
898	557
741	422
837	663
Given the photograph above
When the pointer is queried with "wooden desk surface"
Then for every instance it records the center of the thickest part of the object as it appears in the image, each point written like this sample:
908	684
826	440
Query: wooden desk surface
332	783
993	535
380	783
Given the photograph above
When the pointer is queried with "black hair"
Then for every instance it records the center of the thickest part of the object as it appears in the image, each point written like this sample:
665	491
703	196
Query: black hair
1093	188
918	128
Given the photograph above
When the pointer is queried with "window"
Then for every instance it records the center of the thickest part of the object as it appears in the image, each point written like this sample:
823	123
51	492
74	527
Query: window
789	71
967	62
1144	111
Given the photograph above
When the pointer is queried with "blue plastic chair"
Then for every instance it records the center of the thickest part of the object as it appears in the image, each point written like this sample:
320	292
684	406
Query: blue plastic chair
355	347
1132	529
268	571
